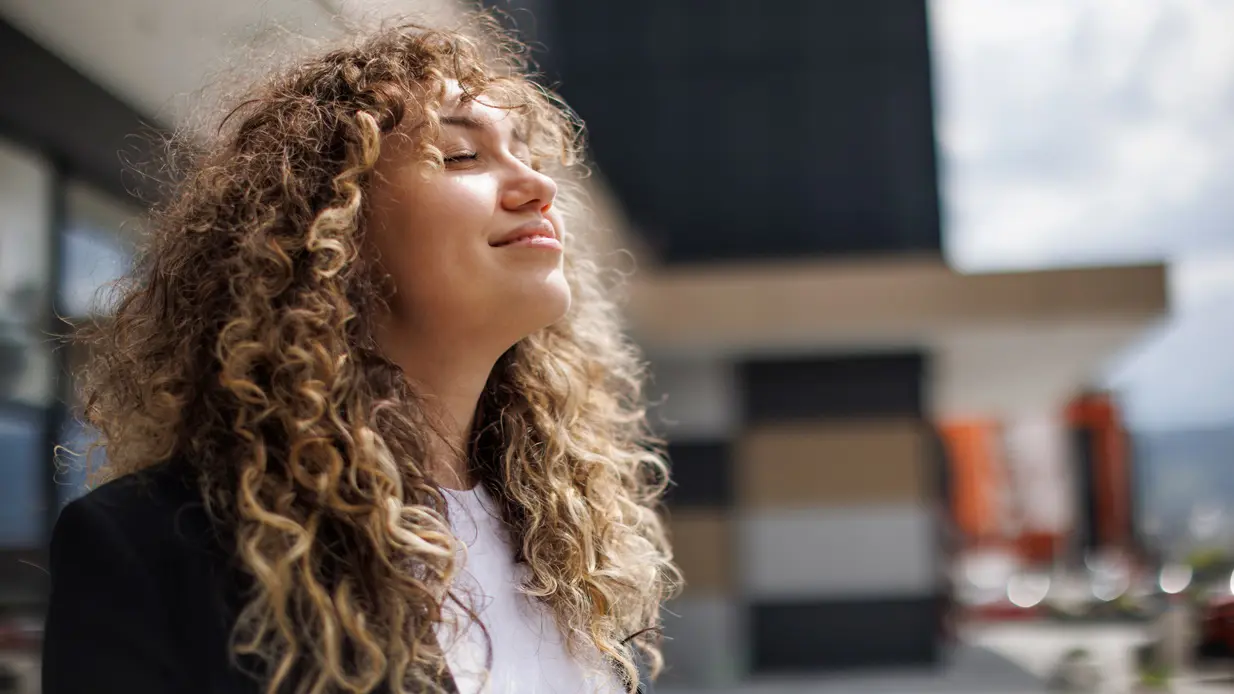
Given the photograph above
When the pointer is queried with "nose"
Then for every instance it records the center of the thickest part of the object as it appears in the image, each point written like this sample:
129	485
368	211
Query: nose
529	189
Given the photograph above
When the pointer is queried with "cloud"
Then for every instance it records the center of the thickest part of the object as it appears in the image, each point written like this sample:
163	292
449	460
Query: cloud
1084	131
1181	375
1202	283
1089	132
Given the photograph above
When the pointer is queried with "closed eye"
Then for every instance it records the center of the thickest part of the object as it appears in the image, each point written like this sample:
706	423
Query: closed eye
461	157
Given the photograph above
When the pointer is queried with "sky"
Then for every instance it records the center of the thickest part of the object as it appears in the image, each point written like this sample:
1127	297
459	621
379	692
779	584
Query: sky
1098	132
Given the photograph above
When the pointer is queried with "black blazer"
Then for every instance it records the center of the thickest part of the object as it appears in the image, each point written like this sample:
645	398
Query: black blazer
143	594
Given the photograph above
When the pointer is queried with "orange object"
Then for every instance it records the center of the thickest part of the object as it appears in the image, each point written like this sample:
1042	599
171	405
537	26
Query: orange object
1108	456
973	452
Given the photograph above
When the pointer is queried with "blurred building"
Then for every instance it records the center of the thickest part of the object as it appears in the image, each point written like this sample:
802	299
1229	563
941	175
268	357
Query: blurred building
775	165
1058	485
68	223
777	162
1049	493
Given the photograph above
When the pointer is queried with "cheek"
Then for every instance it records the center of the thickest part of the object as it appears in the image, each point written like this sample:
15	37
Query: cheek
433	240
453	212
449	226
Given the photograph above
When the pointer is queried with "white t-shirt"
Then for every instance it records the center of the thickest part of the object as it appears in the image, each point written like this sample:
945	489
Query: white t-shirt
529	656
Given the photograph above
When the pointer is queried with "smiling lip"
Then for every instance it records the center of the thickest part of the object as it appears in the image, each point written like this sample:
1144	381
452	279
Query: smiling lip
537	234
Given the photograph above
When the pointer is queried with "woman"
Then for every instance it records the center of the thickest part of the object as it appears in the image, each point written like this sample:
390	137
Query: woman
371	419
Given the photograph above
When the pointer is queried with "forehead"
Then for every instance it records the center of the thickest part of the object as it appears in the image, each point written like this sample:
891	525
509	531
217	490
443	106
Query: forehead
486	109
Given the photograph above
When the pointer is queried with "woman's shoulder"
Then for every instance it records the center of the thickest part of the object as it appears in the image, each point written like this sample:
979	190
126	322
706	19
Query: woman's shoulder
153	507
147	491
139	590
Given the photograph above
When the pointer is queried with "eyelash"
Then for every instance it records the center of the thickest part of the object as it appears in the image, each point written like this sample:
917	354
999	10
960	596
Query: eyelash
533	162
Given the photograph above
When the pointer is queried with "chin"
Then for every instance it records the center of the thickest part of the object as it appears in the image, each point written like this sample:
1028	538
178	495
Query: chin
537	305
556	299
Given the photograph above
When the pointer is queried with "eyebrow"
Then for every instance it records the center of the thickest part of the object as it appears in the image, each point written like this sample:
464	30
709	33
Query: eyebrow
471	123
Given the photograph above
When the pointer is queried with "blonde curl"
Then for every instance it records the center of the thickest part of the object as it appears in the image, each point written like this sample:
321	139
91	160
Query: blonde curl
244	345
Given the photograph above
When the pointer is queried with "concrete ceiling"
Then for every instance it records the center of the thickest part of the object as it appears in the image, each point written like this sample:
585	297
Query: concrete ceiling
1026	371
160	55
1000	344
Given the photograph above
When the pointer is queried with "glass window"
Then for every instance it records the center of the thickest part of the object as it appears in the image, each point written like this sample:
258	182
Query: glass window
99	239
25	236
25	354
21	475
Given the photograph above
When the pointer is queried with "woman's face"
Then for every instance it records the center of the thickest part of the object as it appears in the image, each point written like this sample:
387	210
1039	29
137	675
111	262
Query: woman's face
474	249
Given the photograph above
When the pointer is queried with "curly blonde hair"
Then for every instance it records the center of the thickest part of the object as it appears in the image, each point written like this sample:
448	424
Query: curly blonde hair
244	345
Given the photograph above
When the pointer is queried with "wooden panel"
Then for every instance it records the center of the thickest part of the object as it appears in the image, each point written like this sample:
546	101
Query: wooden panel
837	463
849	302
703	548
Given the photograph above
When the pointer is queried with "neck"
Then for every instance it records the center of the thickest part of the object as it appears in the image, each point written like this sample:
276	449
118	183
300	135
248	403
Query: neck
452	381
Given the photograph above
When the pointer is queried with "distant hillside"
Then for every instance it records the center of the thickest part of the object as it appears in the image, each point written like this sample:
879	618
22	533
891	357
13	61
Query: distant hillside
1178	471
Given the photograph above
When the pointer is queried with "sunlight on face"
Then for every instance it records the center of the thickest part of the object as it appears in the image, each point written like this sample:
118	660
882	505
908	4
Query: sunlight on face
475	248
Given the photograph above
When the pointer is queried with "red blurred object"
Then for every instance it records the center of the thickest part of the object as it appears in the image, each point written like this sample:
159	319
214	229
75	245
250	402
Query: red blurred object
1108	460
1217	624
21	636
1038	548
